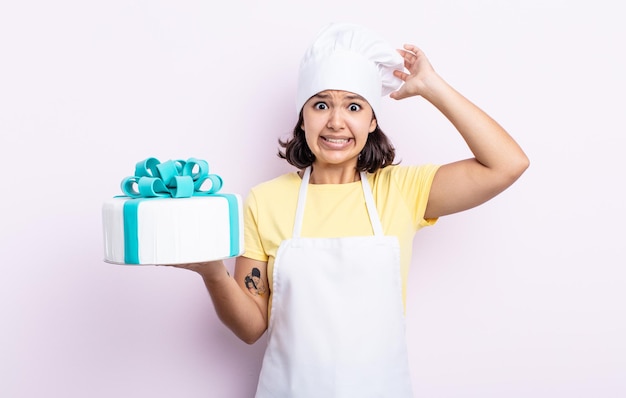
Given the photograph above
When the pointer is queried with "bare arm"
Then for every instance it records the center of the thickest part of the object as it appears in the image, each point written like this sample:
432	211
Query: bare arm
498	160
241	302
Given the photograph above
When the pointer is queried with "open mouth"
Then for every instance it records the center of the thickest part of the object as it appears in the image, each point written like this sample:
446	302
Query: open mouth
337	140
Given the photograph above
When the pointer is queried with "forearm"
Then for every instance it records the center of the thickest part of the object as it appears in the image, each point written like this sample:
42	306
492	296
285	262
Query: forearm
234	307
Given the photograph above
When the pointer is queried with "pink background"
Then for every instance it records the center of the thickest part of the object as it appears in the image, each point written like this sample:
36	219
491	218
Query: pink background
521	297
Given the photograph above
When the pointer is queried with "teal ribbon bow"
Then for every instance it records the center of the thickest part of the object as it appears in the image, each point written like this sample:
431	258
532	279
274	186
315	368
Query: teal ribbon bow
173	178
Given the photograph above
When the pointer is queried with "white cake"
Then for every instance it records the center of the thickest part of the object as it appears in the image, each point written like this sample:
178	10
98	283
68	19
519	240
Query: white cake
172	231
168	230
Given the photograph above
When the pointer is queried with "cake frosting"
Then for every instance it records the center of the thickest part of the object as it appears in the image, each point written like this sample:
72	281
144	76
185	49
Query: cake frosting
172	213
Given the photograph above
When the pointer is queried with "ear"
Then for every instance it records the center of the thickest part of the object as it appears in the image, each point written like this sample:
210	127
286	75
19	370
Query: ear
373	125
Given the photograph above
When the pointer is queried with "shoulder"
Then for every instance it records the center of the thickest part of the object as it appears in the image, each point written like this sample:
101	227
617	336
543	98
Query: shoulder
405	187
284	181
403	175
275	191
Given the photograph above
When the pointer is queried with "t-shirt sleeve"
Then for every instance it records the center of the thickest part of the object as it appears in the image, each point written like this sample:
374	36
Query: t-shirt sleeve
252	239
414	183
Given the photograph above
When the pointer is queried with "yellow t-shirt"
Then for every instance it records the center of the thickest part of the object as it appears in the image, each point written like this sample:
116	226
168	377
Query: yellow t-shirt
338	210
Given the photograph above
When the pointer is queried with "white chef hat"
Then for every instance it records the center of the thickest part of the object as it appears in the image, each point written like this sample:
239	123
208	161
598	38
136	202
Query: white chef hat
352	58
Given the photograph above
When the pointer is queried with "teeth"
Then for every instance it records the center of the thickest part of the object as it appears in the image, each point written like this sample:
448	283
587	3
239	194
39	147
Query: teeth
337	140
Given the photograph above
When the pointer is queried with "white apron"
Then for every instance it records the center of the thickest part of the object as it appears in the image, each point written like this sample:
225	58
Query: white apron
337	322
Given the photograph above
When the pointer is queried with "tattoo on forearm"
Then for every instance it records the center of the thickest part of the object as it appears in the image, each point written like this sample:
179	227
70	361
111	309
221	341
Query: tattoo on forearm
254	283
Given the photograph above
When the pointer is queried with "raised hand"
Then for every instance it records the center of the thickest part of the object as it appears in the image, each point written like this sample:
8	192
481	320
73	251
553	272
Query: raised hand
420	73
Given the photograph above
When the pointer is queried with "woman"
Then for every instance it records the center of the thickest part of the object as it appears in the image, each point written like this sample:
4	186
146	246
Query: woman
328	248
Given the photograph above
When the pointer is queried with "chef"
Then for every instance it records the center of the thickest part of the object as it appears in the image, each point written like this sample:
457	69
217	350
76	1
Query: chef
328	246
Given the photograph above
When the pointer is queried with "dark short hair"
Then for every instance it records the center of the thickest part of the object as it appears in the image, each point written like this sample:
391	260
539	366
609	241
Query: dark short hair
377	153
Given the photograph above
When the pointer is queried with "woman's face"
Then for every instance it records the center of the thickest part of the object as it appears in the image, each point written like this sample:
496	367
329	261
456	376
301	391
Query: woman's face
336	125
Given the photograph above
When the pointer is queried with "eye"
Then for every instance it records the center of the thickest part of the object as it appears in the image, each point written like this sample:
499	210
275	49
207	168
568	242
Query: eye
354	107
320	105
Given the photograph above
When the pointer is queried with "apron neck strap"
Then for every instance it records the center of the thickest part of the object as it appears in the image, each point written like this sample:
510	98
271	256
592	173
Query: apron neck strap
367	193
297	225
371	206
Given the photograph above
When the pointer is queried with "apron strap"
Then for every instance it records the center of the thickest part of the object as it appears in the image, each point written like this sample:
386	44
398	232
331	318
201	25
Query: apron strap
297	225
367	193
371	206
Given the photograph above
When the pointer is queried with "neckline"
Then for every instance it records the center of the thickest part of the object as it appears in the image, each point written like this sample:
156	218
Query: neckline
356	174
367	193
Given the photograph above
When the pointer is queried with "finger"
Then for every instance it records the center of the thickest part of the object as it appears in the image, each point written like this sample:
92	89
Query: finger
398	95
401	75
409	58
412	48
407	55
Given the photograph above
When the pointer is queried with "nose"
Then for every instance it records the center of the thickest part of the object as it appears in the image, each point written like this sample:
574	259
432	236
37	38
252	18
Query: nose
335	120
